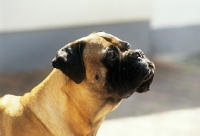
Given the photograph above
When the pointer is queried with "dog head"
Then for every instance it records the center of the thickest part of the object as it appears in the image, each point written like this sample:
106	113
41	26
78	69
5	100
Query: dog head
106	64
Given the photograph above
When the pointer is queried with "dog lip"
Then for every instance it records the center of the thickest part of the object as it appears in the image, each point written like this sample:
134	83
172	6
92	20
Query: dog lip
150	74
147	79
142	83
133	73
151	64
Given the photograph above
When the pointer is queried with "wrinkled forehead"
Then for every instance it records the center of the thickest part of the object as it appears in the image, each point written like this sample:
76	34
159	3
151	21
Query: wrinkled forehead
112	40
107	36
123	45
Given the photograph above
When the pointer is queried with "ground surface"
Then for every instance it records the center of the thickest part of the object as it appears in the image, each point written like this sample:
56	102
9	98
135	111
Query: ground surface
175	91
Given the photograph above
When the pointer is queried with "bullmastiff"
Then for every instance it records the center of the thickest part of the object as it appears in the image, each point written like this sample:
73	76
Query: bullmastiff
90	78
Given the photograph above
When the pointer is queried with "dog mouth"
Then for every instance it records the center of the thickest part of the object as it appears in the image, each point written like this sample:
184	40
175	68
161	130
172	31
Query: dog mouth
136	75
140	86
128	72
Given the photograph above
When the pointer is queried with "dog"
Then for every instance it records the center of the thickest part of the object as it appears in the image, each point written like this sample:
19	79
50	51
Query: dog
90	78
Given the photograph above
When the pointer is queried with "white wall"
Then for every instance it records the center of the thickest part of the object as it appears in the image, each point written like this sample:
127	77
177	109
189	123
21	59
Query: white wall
175	13
19	15
175	27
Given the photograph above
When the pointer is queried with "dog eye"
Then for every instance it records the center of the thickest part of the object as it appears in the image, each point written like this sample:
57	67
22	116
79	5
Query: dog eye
111	55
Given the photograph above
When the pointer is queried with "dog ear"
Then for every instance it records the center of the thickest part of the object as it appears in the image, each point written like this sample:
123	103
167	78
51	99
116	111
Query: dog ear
69	60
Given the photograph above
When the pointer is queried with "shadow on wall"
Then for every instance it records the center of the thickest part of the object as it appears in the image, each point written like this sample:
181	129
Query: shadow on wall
29	50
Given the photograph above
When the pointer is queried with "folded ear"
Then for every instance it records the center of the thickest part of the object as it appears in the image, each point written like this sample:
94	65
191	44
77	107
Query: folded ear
69	60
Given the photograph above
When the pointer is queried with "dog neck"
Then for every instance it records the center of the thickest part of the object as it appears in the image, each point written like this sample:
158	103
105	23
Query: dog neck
67	107
88	106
